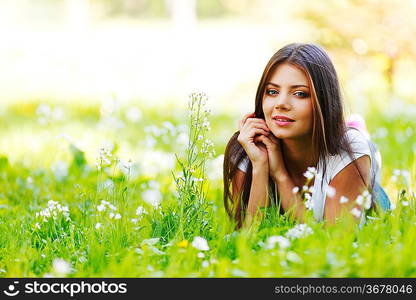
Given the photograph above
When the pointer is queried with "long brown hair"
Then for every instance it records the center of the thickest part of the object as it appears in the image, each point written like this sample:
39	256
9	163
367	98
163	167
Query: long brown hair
328	133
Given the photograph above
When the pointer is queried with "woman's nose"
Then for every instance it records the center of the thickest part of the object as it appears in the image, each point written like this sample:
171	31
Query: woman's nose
282	102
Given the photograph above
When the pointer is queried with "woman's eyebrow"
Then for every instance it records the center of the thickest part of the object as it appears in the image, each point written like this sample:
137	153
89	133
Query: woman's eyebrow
292	86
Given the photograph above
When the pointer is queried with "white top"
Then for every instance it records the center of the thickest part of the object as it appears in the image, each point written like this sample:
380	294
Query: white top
335	163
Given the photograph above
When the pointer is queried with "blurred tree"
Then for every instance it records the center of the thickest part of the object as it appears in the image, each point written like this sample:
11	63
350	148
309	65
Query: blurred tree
210	8
135	8
375	30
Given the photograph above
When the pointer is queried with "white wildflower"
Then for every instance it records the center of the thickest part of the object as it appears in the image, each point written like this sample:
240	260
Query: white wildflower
298	231
206	124
101	207
277	239
117	216
103	158
125	166
149	242
111	215
153	184
54	209
60	170
293	257
367	203
310	173
200	243
359	200
153	197
98	226
405	203
309	204
140	211
356	212
61	267
295	190
330	191
200	255
133	114
343	199
406	176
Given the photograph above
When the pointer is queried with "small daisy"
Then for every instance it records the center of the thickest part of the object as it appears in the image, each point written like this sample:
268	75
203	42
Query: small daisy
330	191
343	199
356	212
200	243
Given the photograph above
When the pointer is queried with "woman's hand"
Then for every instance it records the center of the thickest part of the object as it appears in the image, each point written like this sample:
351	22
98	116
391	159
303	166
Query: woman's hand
250	128
277	166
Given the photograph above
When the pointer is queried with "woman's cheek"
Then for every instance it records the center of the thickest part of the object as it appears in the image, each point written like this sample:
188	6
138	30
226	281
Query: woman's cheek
269	122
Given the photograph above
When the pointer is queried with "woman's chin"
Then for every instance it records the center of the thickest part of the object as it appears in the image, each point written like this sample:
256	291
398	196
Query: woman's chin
281	134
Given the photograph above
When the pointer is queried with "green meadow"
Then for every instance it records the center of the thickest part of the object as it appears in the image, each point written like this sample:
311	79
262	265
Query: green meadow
126	190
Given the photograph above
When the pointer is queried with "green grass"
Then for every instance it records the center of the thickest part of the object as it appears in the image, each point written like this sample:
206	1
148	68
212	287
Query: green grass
159	242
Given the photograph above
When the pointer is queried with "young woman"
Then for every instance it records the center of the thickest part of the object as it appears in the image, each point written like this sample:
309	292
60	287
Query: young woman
298	129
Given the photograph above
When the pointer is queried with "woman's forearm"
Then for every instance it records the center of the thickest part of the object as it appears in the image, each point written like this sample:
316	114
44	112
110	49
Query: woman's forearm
258	193
290	202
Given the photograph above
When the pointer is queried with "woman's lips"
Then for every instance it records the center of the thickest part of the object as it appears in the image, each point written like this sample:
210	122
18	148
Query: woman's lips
283	123
282	120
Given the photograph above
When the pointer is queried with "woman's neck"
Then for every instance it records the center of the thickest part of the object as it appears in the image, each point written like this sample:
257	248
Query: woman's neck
298	156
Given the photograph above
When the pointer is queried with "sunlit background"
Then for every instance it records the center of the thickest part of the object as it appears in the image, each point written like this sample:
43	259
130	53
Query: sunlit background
106	72
93	116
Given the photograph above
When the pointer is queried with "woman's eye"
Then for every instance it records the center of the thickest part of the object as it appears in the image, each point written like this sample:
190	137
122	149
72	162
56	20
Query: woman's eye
271	92
301	94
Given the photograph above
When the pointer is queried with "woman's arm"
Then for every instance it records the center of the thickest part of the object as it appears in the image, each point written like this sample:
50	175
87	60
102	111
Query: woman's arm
291	203
347	183
250	128
258	192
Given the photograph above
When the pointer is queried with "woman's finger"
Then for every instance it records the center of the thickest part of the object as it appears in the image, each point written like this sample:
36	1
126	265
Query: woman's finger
254	131
244	119
259	123
264	139
274	139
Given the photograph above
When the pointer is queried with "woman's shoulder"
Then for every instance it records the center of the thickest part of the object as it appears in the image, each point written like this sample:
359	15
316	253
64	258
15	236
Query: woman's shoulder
359	146
358	141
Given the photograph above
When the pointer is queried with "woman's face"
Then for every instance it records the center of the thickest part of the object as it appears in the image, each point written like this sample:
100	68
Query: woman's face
287	94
